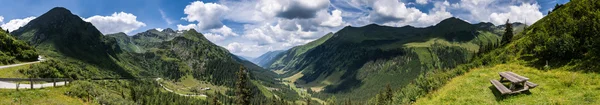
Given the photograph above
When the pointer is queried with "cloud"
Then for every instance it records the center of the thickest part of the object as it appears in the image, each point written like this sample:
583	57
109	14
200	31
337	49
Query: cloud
220	34
529	13
1	19
225	31
396	13
163	15
496	11
300	9
159	29
421	1
186	27
117	22
16	23
208	15
334	20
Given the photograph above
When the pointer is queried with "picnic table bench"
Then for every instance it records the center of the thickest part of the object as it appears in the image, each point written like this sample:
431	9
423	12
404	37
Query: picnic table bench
515	80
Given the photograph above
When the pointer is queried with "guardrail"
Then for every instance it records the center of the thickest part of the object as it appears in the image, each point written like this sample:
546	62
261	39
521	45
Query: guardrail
54	80
31	80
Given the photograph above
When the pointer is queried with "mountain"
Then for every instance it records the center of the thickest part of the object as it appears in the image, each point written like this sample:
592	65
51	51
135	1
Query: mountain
264	59
189	56
60	34
13	50
560	52
357	62
293	54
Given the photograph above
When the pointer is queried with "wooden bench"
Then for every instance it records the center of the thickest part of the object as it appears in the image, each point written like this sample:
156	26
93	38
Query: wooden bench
531	84
503	90
516	80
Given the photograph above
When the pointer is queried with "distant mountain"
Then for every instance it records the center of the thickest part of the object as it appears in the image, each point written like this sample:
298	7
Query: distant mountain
357	62
293	54
265	59
247	58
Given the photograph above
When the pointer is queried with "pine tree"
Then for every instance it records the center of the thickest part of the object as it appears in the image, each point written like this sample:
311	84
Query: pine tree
215	101
242	89
389	93
508	33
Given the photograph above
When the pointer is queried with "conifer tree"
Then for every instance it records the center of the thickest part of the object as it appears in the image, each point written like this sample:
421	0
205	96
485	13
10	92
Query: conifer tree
242	90
508	33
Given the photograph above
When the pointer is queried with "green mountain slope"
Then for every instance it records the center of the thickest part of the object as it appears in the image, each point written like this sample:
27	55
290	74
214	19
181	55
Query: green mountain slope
559	52
294	54
267	59
13	50
357	62
60	34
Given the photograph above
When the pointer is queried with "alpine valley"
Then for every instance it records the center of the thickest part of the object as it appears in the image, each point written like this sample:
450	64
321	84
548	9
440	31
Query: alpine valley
450	62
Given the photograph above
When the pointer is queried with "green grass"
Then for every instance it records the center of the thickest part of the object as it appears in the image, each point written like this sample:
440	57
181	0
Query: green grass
556	86
263	89
13	72
187	84
47	96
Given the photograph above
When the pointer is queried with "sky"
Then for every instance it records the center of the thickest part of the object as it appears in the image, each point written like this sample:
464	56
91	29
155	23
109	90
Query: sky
252	27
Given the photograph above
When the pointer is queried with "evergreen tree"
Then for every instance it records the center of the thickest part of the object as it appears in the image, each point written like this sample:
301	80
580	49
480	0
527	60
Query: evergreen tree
508	33
242	90
389	93
215	101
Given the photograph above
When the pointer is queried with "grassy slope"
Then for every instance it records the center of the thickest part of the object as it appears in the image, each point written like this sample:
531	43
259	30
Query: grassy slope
13	72
48	96
556	86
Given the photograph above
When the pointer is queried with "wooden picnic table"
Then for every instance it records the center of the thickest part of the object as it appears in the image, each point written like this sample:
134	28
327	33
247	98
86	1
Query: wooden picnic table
514	79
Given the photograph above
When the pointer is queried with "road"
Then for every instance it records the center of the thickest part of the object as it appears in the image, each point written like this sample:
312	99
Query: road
10	85
187	95
40	59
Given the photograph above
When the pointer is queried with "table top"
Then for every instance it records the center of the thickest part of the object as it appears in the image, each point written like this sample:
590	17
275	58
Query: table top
513	77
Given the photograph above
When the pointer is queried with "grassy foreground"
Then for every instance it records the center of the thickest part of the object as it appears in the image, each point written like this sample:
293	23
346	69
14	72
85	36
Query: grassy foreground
556	86
47	96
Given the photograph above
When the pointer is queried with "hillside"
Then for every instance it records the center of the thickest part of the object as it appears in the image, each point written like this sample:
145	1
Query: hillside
556	86
14	51
559	52
293	55
357	62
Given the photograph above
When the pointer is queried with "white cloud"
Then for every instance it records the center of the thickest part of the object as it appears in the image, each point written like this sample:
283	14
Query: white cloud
214	37
16	23
208	15
529	13
220	34
421	1
396	13
163	15
117	22
159	29
496	11
1	19
186	27
225	31
334	20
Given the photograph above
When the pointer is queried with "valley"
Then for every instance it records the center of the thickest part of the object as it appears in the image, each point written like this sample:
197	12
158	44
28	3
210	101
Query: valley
450	61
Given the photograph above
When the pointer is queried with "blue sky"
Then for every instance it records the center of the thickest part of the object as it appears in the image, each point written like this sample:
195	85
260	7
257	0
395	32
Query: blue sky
253	27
